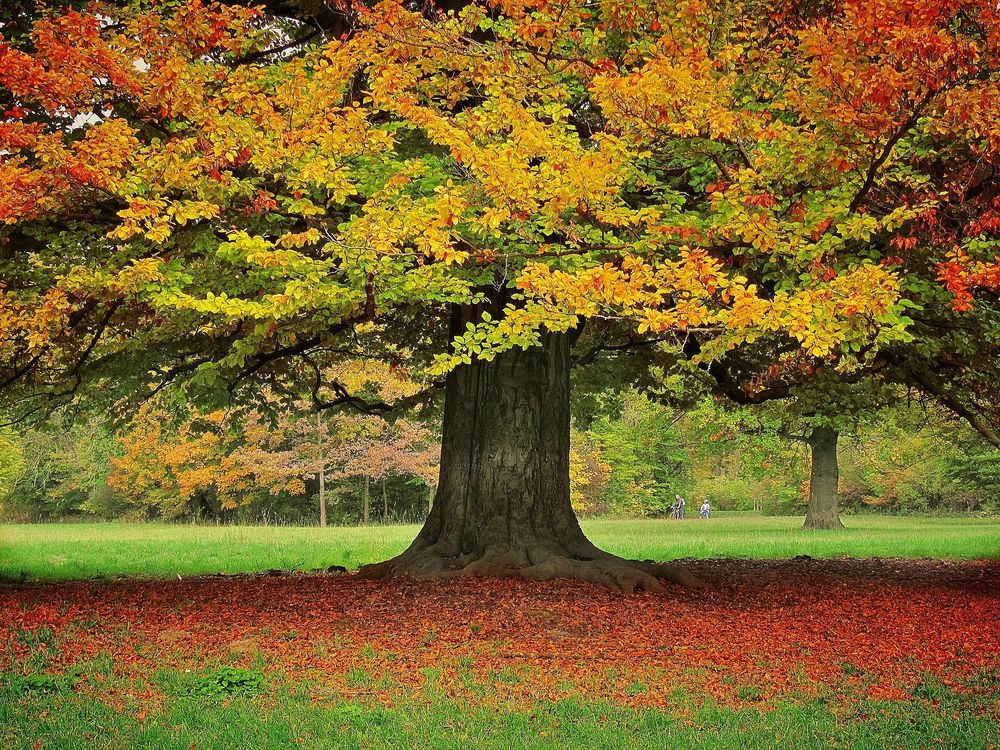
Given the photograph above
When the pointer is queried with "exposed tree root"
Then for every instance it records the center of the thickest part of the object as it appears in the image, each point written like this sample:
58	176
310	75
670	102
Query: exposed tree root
824	522
537	564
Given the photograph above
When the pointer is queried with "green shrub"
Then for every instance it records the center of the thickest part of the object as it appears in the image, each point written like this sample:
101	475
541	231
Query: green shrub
227	681
39	682
723	493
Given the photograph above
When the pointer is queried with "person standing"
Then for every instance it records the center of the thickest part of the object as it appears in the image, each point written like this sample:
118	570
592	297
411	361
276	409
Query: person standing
706	508
680	504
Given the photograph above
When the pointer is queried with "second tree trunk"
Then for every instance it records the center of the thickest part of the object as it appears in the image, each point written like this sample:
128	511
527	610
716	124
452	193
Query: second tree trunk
824	479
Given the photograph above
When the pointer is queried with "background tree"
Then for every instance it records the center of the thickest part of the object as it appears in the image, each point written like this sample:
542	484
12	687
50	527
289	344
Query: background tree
904	462
11	457
218	462
61	469
636	440
911	457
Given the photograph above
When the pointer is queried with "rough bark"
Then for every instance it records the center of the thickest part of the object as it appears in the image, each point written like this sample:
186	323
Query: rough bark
502	506
824	479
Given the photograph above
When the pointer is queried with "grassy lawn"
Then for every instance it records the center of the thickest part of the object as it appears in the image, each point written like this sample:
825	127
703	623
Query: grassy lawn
940	717
800	654
68	551
318	662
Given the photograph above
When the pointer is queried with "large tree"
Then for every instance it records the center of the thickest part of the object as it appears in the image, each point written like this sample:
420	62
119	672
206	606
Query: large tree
203	194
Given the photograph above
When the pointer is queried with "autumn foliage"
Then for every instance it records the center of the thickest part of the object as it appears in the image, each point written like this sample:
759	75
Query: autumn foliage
235	456
741	171
765	630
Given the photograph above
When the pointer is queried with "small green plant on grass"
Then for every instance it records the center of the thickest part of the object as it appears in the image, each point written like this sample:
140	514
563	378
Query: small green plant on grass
361	717
41	645
432	677
428	636
36	683
40	638
749	693
227	681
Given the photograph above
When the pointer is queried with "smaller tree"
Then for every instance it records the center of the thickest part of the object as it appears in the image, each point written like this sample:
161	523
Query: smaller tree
221	461
637	441
11	459
61	468
588	472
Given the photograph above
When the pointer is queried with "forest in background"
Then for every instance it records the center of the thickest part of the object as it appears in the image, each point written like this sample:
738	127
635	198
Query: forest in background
630	456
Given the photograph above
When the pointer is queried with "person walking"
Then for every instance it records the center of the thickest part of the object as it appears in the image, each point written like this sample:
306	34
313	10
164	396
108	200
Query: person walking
681	503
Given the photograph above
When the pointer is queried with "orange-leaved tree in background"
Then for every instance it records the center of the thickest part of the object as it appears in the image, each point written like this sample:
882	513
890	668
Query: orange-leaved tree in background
225	460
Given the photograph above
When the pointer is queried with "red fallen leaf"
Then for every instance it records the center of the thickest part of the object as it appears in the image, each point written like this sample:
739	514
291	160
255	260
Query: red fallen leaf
779	626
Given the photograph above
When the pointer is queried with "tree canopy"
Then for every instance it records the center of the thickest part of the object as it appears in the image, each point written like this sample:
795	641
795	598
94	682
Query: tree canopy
185	190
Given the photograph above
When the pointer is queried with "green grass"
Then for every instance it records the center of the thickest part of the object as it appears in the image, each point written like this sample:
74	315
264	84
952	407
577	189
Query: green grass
294	717
68	551
211	707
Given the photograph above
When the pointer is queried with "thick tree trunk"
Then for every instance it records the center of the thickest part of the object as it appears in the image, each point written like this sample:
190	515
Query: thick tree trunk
503	498
824	491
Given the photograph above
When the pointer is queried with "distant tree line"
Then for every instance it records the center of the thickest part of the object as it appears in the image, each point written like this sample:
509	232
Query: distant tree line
630	457
908	458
